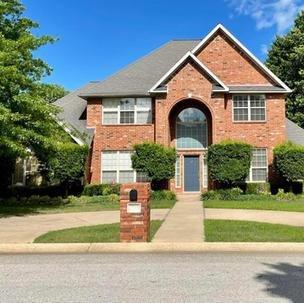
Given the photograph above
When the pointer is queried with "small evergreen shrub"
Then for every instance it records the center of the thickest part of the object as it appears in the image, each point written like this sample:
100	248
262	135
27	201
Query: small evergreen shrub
257	188
282	196
113	198
223	194
229	162
163	195
289	161
101	189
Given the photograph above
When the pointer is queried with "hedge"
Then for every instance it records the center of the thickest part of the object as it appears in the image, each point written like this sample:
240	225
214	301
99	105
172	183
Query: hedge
101	189
289	161
229	162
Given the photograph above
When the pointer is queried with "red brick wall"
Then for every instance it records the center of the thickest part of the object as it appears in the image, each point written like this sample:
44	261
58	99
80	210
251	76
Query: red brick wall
230	64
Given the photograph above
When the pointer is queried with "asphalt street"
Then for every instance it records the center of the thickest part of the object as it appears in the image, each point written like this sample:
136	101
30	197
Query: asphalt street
204	277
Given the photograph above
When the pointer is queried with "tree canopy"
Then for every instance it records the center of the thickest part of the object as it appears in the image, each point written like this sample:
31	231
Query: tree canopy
286	60
26	119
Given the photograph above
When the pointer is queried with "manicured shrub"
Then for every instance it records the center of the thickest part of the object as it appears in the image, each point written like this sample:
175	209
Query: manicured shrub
289	161
223	194
101	189
257	188
163	195
113	198
157	161
282	196
229	162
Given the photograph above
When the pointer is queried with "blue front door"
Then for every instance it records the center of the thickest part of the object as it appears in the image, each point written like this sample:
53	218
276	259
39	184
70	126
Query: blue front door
191	173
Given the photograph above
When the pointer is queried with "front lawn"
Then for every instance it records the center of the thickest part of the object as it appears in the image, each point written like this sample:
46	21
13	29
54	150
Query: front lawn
90	234
74	204
246	231
261	204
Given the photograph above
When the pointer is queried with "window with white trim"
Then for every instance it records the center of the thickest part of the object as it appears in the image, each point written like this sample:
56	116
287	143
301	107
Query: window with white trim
117	168
127	110
259	166
205	172
178	172
249	108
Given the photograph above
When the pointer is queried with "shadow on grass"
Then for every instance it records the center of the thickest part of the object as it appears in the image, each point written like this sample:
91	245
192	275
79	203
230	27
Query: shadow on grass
8	211
284	280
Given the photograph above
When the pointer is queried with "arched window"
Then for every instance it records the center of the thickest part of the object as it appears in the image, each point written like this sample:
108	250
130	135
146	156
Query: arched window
191	129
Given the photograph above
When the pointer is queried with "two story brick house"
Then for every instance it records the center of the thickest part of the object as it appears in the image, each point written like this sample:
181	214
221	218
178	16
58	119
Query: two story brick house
188	94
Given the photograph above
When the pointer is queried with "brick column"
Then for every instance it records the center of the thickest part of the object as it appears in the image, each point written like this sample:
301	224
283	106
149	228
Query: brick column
135	227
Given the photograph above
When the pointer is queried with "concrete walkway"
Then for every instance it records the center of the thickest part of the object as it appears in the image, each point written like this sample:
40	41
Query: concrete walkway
27	228
267	216
184	222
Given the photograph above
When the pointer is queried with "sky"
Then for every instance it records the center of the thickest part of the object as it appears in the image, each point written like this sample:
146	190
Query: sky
96	38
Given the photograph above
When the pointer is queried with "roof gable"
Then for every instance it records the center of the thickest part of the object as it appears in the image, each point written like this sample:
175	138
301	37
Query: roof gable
219	85
221	29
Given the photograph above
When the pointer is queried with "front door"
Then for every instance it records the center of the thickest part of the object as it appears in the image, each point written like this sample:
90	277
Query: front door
191	173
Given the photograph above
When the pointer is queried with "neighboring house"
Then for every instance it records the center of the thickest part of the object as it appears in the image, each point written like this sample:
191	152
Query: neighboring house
188	94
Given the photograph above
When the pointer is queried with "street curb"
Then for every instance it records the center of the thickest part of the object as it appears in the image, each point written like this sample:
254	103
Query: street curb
81	248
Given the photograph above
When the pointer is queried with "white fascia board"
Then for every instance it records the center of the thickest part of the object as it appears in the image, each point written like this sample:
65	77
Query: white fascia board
77	140
181	61
257	92
245	50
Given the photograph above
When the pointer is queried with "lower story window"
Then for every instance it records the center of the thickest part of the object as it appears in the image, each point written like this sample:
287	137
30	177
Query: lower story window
259	165
117	168
205	172
178	172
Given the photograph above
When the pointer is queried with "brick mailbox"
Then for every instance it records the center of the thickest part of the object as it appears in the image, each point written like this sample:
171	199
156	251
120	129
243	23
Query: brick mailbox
135	212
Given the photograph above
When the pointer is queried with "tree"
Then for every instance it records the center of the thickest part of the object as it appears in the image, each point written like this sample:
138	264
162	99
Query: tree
25	118
286	60
51	92
229	162
157	161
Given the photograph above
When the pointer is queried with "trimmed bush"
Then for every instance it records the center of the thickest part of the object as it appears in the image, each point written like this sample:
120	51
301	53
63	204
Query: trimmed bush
223	194
34	201
157	161
229	162
282	196
163	195
289	161
257	188
113	198
101	189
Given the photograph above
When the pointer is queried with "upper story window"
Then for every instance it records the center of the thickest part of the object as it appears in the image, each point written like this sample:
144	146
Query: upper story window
127	110
191	129
249	108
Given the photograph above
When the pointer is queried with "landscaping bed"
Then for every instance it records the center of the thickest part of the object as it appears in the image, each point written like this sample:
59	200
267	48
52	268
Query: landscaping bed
247	231
90	234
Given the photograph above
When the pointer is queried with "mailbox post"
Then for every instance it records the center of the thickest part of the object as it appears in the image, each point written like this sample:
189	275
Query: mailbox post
135	212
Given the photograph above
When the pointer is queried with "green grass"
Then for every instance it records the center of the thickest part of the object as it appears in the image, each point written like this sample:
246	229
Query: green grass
246	231
90	234
266	204
75	206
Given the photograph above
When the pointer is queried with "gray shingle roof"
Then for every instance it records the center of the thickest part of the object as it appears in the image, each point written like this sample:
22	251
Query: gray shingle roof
255	88
138	77
295	133
72	108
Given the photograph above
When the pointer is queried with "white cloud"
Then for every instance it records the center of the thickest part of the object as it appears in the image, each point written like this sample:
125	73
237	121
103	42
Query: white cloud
268	13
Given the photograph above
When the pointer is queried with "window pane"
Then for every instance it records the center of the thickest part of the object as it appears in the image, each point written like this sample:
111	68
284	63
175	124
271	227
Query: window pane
142	177
109	160
109	177
110	103
127	104
127	117
258	114
144	117
259	174
240	101
125	162
259	157
177	172
240	114
126	176
143	103
110	117
257	101
205	173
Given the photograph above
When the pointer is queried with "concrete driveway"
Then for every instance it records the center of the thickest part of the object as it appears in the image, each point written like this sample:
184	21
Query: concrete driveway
27	228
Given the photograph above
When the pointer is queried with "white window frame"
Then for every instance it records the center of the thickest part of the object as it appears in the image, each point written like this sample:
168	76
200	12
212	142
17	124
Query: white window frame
204	176
117	168
118	110
264	167
249	108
